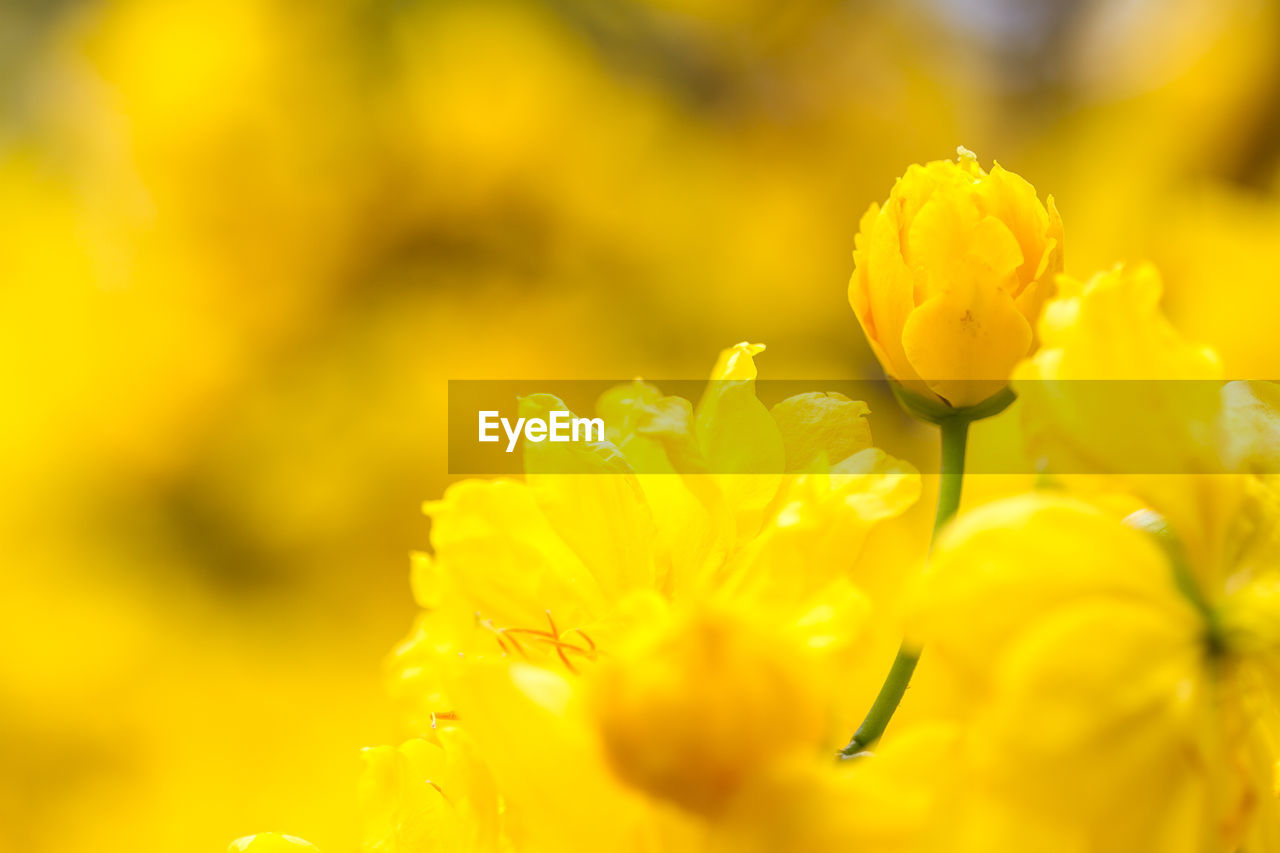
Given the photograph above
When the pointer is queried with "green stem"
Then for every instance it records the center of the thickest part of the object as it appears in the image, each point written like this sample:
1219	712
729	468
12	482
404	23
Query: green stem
955	433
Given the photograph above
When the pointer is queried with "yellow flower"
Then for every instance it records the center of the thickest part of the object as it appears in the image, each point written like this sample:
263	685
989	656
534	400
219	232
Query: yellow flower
950	275
271	842
551	569
1112	702
654	630
1119	683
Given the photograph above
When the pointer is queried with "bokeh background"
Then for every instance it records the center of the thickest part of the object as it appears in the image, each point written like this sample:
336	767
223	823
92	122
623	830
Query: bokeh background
243	244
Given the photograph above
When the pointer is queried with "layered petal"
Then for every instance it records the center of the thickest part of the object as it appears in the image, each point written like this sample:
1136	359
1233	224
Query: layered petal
950	275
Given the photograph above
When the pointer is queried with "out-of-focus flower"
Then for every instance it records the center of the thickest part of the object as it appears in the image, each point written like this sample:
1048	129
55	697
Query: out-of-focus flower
271	842
950	275
1120	690
1111	704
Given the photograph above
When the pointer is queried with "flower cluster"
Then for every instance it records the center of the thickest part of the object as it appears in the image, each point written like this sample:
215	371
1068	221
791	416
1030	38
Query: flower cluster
664	649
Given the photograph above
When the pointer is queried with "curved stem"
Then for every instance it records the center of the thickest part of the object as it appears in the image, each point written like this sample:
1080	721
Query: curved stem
954	434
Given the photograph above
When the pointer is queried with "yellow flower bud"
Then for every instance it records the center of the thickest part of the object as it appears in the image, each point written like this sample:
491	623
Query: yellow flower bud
271	842
950	275
694	709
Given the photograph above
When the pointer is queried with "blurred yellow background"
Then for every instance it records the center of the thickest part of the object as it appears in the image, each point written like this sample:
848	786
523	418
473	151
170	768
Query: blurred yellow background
245	242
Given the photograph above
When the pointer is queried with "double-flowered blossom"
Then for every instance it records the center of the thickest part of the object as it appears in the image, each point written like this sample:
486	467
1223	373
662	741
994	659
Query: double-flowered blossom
1104	709
1118	680
642	627
550	569
950	274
